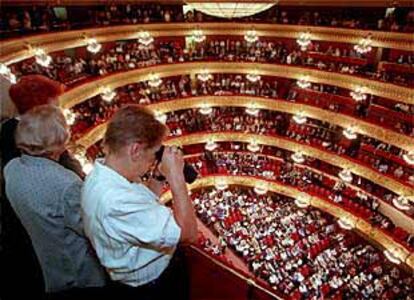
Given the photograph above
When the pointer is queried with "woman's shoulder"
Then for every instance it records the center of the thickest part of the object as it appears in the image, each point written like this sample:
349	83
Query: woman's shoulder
42	169
63	174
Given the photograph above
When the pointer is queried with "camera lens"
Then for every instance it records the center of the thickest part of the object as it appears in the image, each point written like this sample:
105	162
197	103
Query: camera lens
190	174
159	153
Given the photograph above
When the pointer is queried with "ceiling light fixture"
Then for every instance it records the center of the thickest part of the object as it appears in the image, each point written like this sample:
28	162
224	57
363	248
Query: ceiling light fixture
345	175
304	40
42	58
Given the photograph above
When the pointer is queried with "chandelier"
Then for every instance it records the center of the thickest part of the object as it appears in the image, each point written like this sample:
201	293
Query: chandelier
42	58
364	45
304	40
161	117
358	94
145	38
230	10
107	94
401	202
409	157
299	118
251	36
204	76
154	81
7	73
345	175
345	223
70	116
198	36
253	146
205	110
303	83
210	146
349	134
253	77
298	157
93	46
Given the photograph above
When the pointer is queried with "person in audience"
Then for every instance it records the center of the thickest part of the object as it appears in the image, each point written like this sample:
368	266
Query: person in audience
19	261
134	235
46	198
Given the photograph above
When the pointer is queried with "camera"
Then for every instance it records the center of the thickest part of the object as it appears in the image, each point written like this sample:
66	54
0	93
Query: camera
190	174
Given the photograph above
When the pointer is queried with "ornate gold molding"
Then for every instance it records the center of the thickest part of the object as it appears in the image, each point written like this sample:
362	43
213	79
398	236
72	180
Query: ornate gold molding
91	137
15	50
88	90
399	218
360	126
362	226
333	159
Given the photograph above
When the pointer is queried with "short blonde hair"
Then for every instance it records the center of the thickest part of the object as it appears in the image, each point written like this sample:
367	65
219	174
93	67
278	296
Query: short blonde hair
133	123
42	130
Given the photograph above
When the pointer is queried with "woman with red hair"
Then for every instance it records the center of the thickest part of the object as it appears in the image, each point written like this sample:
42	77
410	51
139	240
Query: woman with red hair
30	91
18	258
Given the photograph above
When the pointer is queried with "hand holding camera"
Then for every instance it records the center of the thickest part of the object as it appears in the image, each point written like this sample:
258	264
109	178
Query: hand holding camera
171	163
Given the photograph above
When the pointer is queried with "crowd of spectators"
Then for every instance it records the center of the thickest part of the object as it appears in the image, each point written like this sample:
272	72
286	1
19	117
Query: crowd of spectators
381	156
124	56
395	117
314	132
300	252
305	179
20	20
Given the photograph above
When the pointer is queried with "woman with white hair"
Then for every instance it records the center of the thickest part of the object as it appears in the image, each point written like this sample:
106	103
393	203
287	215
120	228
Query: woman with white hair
19	260
46	198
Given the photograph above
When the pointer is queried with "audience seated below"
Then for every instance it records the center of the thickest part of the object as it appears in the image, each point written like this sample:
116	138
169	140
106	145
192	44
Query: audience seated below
302	253
305	179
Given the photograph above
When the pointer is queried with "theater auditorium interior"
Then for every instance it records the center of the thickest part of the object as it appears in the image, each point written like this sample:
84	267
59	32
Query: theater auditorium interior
297	115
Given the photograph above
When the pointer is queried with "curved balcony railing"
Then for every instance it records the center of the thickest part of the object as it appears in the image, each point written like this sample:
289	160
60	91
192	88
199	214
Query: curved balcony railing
401	187
399	218
363	127
280	51
88	90
313	151
94	88
17	49
325	191
367	230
